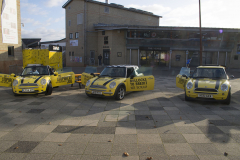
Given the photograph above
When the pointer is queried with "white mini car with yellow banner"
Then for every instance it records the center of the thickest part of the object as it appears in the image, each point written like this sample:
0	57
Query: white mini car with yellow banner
206	83
36	79
115	81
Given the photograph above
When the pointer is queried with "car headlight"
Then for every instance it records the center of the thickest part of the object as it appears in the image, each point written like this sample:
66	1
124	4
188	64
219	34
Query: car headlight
88	82
189	85
15	82
112	84
224	87
43	81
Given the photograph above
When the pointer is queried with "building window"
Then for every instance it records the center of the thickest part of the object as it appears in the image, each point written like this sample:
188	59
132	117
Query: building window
10	50
72	53
69	23
106	40
103	32
106	10
69	53
236	57
70	36
80	18
76	35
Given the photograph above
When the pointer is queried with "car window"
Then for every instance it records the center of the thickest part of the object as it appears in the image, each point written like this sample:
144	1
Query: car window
185	70
129	72
218	73
114	72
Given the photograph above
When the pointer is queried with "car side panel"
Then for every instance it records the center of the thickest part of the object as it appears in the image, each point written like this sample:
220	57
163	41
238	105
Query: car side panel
63	79
85	77
140	83
181	81
6	80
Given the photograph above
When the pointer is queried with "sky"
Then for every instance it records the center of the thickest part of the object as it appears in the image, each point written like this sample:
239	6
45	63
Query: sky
45	19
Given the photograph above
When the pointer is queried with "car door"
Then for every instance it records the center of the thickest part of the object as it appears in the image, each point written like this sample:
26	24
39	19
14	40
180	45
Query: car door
60	79
140	83
182	77
137	81
7	79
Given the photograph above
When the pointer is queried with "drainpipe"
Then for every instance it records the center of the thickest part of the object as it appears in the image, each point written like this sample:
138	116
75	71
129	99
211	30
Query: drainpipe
130	56
138	57
85	36
226	60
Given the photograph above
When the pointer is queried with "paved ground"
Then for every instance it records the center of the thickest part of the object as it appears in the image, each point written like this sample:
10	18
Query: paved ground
158	124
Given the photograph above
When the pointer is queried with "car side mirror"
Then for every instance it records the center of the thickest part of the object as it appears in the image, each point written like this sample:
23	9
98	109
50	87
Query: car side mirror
55	73
92	74
132	76
184	75
13	75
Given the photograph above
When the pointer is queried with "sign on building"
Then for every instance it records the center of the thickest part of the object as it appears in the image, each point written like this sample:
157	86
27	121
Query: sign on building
9	22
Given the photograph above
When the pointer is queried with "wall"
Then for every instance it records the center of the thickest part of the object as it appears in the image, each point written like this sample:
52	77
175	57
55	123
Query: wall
76	7
95	14
5	60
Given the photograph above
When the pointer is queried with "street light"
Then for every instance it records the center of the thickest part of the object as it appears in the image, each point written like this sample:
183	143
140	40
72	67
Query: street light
200	33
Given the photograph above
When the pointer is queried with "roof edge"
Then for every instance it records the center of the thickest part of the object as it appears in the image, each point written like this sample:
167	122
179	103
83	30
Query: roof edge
67	3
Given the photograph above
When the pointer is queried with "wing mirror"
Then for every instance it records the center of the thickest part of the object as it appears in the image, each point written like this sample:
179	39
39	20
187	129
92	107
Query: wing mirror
13	75
55	73
132	76
184	75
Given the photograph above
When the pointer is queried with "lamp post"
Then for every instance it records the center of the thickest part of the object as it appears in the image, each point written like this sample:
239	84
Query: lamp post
200	27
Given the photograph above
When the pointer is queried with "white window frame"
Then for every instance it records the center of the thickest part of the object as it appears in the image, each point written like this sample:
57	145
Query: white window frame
76	35
70	36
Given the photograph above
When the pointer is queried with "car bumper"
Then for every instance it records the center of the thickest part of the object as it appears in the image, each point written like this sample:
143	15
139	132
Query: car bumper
215	96
100	93
37	90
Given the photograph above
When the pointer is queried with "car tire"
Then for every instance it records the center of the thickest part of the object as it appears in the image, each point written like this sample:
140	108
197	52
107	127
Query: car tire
186	97
120	93
228	100
49	89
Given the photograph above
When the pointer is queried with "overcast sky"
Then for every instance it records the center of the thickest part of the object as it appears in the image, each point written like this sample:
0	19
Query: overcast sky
45	19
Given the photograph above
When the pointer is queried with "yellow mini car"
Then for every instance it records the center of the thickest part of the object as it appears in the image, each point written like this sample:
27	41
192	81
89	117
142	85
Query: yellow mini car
36	79
206	82
115	81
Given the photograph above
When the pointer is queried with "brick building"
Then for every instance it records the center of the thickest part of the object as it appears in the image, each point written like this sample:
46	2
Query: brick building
10	41
132	36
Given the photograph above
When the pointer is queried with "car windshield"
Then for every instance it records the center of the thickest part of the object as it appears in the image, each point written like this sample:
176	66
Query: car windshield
114	72
35	70
213	73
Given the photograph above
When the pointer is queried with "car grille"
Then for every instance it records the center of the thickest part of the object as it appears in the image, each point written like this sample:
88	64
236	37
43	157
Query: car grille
98	86
206	90
28	84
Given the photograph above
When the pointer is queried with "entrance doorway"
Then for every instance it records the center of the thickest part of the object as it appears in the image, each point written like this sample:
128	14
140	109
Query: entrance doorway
153	58
106	57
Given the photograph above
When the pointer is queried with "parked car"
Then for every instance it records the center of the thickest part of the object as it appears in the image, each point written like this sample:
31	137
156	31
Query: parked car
206	82
116	80
36	79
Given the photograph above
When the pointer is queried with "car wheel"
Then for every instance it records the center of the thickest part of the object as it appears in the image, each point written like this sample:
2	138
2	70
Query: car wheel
228	100
49	89
120	93
186	97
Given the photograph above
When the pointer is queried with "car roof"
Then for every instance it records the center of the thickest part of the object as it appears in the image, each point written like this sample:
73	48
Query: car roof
211	67
116	66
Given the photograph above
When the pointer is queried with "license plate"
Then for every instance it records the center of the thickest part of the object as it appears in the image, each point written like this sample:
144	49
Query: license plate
95	92
205	95
28	90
